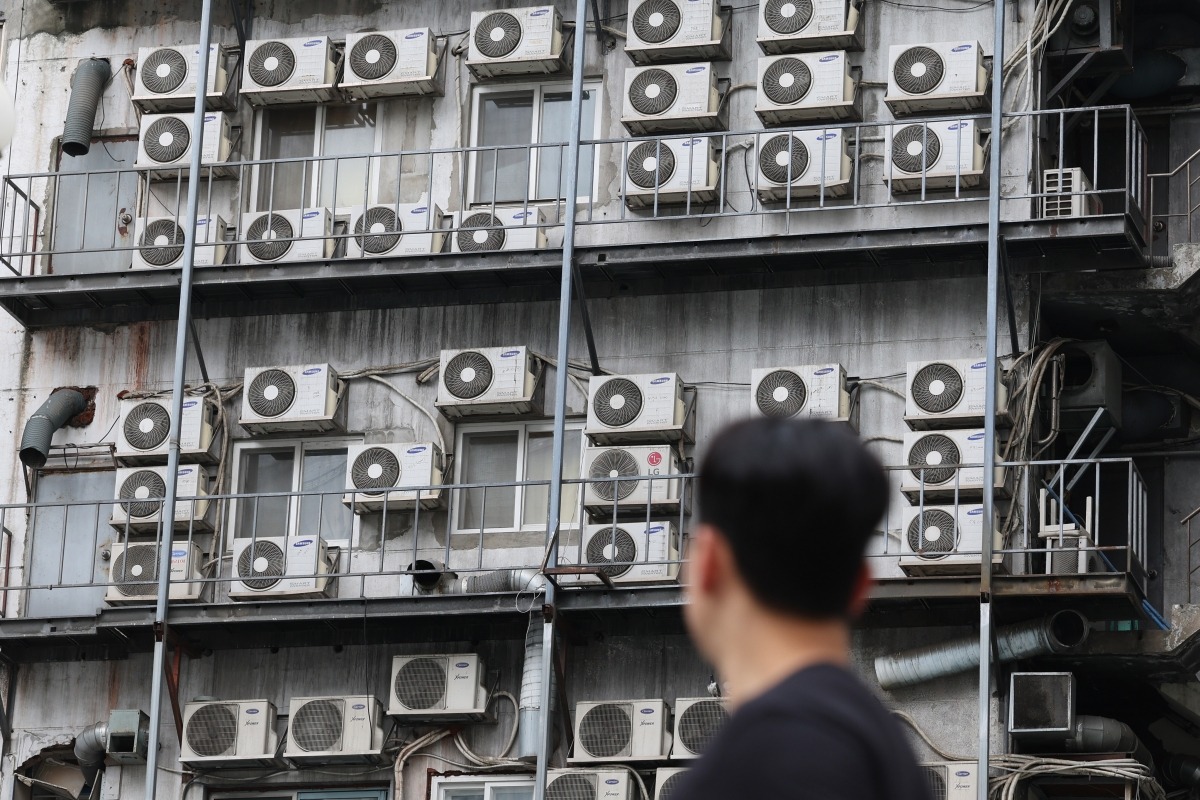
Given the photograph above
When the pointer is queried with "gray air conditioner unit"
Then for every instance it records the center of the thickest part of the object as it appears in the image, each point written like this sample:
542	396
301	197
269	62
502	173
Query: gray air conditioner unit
667	780
613	472
487	381
697	721
144	426
951	780
662	31
807	86
166	77
334	730
230	734
590	784
672	98
374	469
938	76
390	64
133	573
305	397
622	730
792	26
140	491
438	687
299	70
636	409
515	41
935	155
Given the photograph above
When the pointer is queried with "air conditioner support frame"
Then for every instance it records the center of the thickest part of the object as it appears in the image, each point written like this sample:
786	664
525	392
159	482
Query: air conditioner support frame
714	122
715	50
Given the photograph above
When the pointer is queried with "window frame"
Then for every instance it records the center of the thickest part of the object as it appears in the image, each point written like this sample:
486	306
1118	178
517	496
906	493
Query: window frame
440	784
284	793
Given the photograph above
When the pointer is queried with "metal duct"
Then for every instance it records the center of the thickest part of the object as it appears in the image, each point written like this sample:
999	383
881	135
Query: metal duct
1057	633
50	416
530	705
504	580
428	575
1104	735
90	746
1184	770
87	86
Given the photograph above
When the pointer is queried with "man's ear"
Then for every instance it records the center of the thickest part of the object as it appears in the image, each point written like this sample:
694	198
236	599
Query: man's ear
703	570
862	591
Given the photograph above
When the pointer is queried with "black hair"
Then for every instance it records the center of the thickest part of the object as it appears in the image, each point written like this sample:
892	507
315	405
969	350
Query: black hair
797	501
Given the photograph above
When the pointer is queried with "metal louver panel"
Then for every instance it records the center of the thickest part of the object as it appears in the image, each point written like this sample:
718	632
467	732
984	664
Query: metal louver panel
373	57
927	456
918	70
421	683
377	230
268	237
135	571
936	778
271	393
655	21
933	534
480	232
468	375
670	785
699	723
167	139
163	71
781	393
915	149
572	786
786	81
146	426
653	91
612	546
317	726
212	730
260	565
376	468
139	486
650	164
617	402
783	164
937	388
606	730
498	34
161	243
788	16
607	467
272	63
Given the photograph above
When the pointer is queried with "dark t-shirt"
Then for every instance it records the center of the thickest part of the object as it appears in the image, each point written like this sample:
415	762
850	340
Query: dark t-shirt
820	734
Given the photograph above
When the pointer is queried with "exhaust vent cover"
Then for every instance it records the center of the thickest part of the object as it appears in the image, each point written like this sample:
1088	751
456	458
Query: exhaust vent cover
167	139
377	230
927	456
607	467
918	70
780	165
699	723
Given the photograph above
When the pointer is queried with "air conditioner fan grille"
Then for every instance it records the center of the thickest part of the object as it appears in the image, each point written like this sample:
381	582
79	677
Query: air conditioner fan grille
607	467
167	139
211	730
786	81
650	164
918	70
268	238
163	71
498	34
605	730
670	785
915	149
933	534
931	459
421	683
138	487
271	64
260	565
788	16
699	723
781	164
317	726
162	242
375	468
468	375
613	546
271	393
572	786
937	388
377	230
781	393
480	232
373	57
936	778
146	426
656	21
135	571
653	91
617	402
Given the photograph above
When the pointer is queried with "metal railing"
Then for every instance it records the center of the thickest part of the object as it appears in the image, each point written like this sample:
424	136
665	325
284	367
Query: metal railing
1162	200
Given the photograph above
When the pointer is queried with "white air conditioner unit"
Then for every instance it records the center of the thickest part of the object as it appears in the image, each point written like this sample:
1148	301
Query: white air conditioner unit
165	143
390	64
382	230
612	473
485	381
950	393
438	688
290	235
803	164
952	780
659	31
1069	543
516	41
672	172
667	781
290	567
140	491
306	397
501	228
160	242
133	572
590	784
939	76
789	26
143	427
631	552
944	540
931	457
166	77
1068	194
373	468
671	97
635	408
939	154
289	71
230	734
815	390
697	721
334	730
807	86
622	730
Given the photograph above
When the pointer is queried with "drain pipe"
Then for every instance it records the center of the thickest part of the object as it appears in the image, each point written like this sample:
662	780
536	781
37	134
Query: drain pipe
1058	633
530	711
50	416
87	86
90	746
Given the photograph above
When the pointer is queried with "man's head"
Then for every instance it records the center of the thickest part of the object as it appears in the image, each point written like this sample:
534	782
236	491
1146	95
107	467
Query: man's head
786	511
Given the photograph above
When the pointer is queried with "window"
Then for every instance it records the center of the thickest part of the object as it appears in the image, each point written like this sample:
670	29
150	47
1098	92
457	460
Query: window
504	116
88	208
312	794
507	454
476	787
67	542
312	466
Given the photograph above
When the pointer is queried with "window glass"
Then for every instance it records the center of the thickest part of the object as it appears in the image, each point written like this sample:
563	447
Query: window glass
349	130
67	542
489	457
552	162
512	793
463	794
88	208
537	468
504	119
261	471
324	470
287	133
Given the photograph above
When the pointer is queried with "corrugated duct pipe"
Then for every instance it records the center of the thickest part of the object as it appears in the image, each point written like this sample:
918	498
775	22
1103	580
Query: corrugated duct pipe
504	580
1104	735
50	416
529	705
90	746
87	86
1057	633
1184	770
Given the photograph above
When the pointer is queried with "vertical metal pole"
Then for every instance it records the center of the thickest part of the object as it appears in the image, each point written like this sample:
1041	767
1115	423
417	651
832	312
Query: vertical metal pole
546	734
993	369
158	661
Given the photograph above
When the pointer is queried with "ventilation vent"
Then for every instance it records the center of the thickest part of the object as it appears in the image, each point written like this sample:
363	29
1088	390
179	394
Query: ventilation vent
918	70
135	571
781	393
211	731
316	727
268	237
377	230
147	426
271	393
376	468
167	139
656	21
271	64
927	456
617	402
699	723
653	91
138	487
933	534
468	375
612	546
915	149
163	71
780	165
604	730
788	16
421	683
787	81
498	34
937	388
480	232
162	242
373	57
260	565
607	467
650	164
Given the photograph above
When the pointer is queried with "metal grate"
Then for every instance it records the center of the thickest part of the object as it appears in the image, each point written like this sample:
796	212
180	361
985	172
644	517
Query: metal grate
376	468
612	546
788	16
918	70
781	164
135	571
167	139
498	34
269	237
607	467
781	393
421	683
699	723
271	64
480	232
377	230
271	393
211	730
317	726
572	786
139	486
786	81
937	388
653	91
164	71
650	164
670	785
373	57
146	426
915	149
928	455
935	776
933	534
617	402
260	565
468	375
161	243
656	21
606	730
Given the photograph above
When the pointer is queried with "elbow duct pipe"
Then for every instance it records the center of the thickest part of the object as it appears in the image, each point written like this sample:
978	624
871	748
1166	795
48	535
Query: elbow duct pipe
1104	735
87	86
50	416
90	746
1184	770
529	706
505	580
1058	633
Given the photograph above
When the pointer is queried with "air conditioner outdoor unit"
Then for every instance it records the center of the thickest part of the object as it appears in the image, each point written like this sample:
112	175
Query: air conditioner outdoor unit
806	86
940	154
306	397
672	97
229	733
486	381
635	409
611	472
939	76
944	540
1068	189
289	567
334	730
299	70
143	427
590	784
803	164
672	172
660	31
950	393
291	235
667	781
697	721
622	730
500	228
381	230
438	688
952	780
165	143
814	390
373	468
166	77
133	572
931	474
141	489
516	41
160	243
390	64
1070	546
789	26
632	552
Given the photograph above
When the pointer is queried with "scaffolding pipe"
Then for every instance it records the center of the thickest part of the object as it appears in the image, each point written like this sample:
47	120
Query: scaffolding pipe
182	326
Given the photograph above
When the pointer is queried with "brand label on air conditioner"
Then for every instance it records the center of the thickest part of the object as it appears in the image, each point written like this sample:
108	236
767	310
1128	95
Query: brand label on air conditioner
302	543
420	210
178	553
311	214
977	437
647	710
251	710
979	365
962	48
829	58
975	512
358	706
412	451
612	781
414	35
824	371
313	42
654	458
654	529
